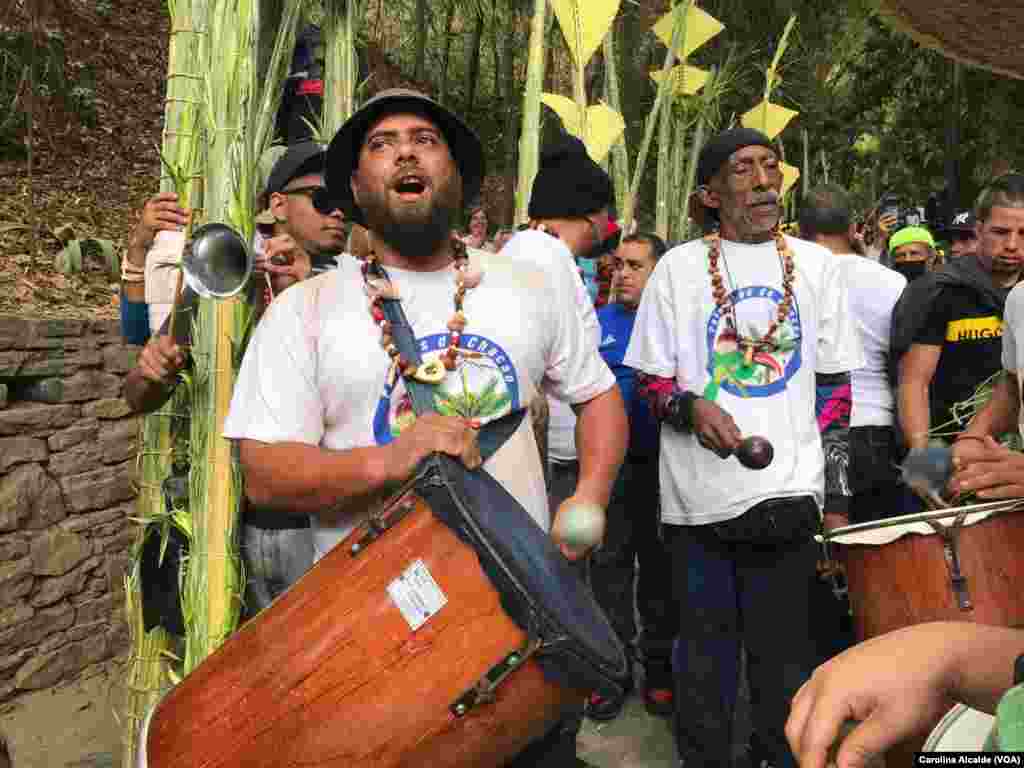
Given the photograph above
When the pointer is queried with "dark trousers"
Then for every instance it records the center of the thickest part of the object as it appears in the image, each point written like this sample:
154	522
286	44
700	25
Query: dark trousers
631	536
734	595
878	492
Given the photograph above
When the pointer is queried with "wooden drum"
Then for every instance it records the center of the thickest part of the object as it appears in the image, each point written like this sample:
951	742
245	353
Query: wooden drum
958	564
447	631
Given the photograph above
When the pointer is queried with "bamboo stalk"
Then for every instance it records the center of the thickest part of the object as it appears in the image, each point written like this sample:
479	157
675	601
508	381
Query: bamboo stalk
340	65
691	171
181	152
678	25
665	194
529	140
807	163
678	210
619	153
211	598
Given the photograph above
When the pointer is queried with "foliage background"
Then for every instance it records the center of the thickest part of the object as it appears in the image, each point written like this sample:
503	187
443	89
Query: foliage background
96	107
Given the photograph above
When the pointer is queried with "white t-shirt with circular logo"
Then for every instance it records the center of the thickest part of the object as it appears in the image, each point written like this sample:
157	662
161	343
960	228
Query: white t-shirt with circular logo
680	333
315	372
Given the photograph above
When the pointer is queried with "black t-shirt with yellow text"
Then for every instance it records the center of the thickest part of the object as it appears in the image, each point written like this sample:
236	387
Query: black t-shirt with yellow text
970	333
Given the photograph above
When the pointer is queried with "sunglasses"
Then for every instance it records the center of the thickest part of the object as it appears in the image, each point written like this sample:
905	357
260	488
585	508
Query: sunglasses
322	200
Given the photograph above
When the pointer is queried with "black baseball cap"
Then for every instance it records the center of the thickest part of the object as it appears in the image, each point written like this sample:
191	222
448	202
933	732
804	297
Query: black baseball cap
298	160
343	152
962	221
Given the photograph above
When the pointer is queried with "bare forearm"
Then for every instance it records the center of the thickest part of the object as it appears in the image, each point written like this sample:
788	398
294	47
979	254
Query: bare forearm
1002	411
913	410
305	479
602	432
982	660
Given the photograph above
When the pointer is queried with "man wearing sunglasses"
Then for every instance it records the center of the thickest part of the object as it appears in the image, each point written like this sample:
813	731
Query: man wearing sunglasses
302	229
300	232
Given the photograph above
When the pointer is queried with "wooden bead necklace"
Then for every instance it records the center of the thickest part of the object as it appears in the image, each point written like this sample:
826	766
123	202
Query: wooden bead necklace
379	287
725	304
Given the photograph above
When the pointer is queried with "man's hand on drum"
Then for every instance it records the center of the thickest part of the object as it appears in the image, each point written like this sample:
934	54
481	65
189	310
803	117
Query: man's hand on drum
715	428
434	433
990	471
285	261
892	686
161	360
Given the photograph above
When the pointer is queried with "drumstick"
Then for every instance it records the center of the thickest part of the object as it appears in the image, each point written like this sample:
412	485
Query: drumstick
175	307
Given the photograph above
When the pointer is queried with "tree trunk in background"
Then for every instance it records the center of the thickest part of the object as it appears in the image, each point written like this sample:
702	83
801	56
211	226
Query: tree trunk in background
496	44
270	12
473	63
421	39
446	54
508	66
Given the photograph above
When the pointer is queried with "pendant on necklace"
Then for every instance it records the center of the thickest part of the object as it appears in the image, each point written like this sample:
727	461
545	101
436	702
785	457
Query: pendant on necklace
432	372
748	354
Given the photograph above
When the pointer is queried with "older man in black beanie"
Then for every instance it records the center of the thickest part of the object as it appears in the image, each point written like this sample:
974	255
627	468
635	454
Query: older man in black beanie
730	334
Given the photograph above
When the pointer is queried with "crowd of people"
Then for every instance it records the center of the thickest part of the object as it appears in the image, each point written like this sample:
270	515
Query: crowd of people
643	385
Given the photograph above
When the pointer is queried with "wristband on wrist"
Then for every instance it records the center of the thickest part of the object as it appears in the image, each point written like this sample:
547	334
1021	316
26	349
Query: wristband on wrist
130	273
678	410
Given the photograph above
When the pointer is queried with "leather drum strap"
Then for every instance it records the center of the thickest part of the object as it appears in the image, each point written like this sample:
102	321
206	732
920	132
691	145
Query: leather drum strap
492	435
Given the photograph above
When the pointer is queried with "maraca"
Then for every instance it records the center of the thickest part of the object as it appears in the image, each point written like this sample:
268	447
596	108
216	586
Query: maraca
579	525
755	452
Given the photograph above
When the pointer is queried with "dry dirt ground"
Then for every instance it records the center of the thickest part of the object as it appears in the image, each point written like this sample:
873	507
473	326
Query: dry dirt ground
71	726
93	178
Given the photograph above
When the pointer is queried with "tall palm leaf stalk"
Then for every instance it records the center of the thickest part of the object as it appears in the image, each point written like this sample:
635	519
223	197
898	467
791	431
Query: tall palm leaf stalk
148	667
239	116
620	151
340	65
529	139
664	210
664	87
212	582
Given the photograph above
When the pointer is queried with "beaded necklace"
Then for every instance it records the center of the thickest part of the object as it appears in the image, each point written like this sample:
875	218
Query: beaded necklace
750	345
378	287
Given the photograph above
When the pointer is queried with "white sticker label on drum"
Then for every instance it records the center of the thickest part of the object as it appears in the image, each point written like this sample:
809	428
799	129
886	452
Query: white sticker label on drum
417	595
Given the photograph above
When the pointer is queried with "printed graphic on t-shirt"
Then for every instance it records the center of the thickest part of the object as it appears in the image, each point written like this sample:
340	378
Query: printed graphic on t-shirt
484	386
974	328
749	370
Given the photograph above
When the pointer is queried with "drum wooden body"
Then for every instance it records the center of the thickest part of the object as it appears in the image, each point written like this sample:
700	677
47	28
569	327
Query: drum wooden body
908	581
332	674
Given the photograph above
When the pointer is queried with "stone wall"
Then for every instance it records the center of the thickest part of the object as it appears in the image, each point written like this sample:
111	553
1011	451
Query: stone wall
67	482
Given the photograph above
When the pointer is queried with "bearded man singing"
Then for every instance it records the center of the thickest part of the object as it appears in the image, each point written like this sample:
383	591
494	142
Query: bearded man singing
321	414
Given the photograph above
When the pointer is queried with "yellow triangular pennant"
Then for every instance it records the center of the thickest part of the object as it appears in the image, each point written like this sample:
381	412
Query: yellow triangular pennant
700	27
768	118
790	176
688	82
604	126
584	24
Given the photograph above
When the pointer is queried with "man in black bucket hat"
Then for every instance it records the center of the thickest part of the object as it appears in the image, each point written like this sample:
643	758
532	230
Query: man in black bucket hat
322	407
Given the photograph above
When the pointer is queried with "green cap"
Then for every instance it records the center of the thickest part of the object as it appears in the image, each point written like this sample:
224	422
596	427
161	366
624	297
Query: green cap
911	235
